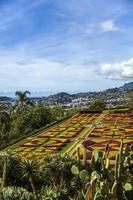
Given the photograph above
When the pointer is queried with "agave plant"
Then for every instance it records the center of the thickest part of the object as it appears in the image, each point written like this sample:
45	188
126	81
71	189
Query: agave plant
56	168
30	171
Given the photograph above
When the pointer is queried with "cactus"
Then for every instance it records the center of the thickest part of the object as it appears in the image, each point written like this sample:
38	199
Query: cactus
74	170
116	167
131	147
78	153
84	175
95	175
114	188
126	150
84	160
121	147
96	155
84	152
105	188
106	152
128	187
107	164
106	181
92	162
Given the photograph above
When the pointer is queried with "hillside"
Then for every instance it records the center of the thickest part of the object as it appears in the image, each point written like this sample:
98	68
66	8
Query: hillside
4	98
108	94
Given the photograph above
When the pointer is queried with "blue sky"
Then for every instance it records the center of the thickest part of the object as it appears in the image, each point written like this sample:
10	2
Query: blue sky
65	45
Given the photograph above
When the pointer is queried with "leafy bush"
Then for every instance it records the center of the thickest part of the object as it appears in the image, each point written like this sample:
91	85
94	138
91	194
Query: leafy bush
31	119
97	105
13	193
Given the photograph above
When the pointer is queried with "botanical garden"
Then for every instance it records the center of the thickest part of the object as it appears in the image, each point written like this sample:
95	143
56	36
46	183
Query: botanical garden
49	154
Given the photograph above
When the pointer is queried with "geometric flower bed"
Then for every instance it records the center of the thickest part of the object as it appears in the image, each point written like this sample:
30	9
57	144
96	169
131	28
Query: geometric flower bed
56	138
111	129
100	144
114	128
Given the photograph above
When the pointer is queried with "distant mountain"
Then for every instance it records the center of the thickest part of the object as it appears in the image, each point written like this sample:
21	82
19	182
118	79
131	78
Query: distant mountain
113	93
63	97
4	98
59	98
127	87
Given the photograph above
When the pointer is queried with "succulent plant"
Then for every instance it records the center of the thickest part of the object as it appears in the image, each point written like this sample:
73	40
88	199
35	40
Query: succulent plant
84	175
107	182
74	170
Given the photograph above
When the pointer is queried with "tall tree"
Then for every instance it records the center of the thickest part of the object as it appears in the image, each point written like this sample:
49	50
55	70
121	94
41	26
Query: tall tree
23	101
97	105
57	112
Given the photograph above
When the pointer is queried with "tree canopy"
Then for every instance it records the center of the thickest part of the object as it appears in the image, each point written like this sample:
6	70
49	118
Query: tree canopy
97	105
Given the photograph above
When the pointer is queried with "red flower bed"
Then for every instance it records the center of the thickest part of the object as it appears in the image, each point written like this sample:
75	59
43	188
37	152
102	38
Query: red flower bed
88	143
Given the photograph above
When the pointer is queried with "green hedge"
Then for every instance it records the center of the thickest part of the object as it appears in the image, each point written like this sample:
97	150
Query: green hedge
119	110
90	111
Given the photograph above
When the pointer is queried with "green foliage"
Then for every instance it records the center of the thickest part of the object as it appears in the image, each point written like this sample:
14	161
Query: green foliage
13	122
75	170
16	126
84	175
14	193
59	192
36	117
22	102
130	100
105	181
5	158
49	179
4	120
57	112
96	155
58	168
73	111
97	105
128	187
62	177
29	168
30	171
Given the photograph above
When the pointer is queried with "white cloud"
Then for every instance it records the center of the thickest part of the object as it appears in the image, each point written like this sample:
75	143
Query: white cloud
120	70
40	73
108	26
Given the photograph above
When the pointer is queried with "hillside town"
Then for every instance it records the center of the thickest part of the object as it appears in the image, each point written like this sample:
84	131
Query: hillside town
111	97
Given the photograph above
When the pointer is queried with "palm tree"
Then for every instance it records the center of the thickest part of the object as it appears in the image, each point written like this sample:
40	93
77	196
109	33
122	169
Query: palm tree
22	100
30	171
